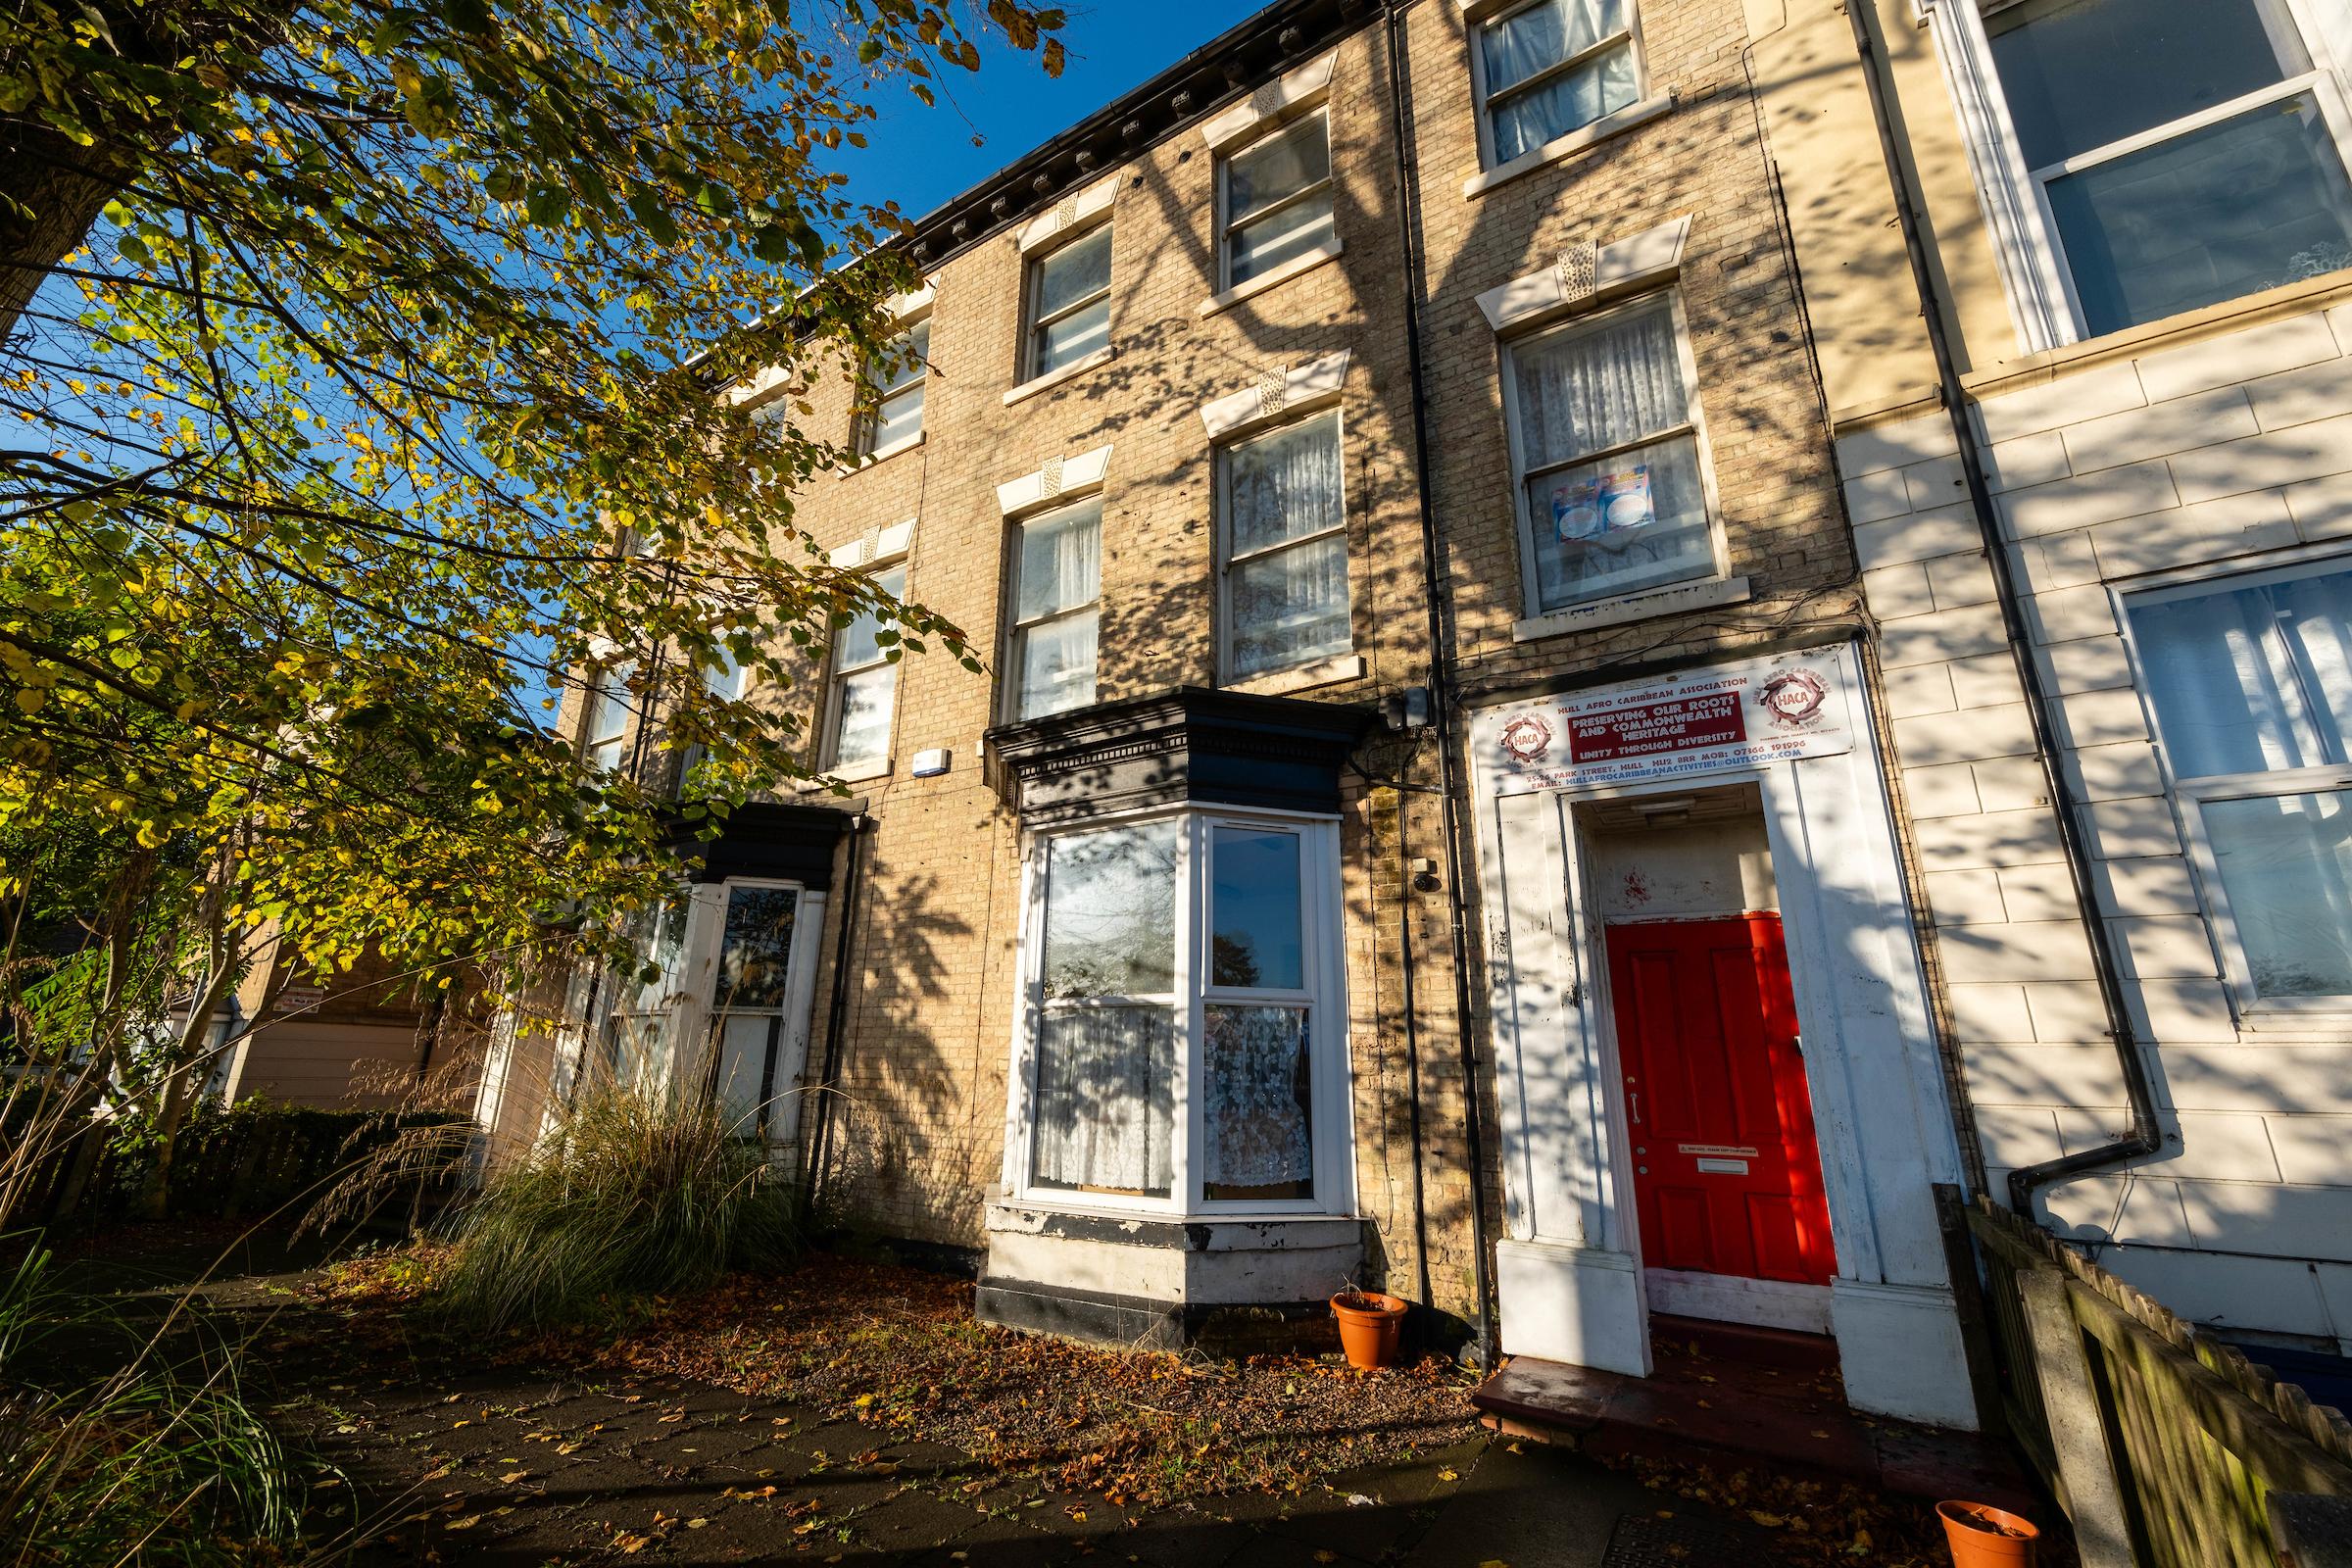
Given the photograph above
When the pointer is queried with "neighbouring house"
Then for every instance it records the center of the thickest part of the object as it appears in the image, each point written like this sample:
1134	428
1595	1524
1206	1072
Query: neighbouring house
2133	221
1500	775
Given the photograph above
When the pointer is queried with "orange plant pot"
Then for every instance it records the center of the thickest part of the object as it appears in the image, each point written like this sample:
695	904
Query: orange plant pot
1982	1536
1370	1325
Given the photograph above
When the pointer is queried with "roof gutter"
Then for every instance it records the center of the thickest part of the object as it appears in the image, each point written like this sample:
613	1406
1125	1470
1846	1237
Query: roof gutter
2143	1137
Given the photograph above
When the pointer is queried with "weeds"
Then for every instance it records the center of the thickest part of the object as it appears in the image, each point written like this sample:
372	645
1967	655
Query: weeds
636	1193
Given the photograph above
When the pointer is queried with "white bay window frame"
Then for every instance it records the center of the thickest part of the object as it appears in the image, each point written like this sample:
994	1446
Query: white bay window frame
1330	1111
1692	425
2045	306
2193	795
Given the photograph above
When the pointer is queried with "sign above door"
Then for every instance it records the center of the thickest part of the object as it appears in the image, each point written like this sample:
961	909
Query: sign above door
1703	720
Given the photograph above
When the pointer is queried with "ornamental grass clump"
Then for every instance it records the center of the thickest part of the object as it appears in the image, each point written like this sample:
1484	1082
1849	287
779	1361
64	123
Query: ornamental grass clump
637	1191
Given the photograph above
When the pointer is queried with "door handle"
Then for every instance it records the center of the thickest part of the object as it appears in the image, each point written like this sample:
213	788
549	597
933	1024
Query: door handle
1637	1099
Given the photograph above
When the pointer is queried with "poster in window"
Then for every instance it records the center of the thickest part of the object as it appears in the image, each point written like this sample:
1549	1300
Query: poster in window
1591	509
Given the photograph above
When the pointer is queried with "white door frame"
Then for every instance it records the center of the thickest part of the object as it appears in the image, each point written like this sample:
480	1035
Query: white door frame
1569	1273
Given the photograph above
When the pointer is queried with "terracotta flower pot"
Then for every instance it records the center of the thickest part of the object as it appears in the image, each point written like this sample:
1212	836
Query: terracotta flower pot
1369	1327
1982	1536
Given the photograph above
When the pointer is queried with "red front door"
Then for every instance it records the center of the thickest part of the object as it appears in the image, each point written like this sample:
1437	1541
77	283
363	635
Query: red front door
1726	1177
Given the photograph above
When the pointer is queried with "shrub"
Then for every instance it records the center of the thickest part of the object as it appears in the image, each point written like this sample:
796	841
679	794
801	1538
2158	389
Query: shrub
637	1191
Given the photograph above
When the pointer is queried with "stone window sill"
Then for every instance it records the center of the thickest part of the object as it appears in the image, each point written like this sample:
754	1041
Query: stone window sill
1705	594
1302	677
1055	377
1195	1233
1560	148
865	775
1289	270
884	454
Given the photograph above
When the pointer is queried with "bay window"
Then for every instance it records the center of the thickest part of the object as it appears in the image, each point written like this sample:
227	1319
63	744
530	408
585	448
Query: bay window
2176	153
896	384
863	688
1057	570
1547	68
1184	1033
1069	303
1274	198
1284	539
1605	440
2250	683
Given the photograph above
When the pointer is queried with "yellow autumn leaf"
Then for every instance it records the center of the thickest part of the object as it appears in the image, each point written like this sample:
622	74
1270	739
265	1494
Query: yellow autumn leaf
1449	1475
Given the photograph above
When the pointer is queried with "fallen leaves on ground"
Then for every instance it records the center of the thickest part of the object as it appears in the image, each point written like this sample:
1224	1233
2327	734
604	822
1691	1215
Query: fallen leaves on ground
898	1351
1812	1522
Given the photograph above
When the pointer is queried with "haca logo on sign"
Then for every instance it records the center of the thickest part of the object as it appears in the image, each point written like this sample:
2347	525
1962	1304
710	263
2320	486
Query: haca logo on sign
1527	738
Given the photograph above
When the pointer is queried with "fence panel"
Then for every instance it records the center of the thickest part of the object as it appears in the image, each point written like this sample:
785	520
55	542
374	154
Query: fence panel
2197	1438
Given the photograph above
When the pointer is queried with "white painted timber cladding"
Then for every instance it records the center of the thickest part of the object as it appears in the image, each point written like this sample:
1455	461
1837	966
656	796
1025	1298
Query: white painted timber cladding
2228	454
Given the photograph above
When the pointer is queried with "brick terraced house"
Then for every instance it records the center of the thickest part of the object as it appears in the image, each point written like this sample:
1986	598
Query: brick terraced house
1499	774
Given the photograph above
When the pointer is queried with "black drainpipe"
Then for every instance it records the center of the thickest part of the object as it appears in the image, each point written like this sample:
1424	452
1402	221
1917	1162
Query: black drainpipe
2143	1137
1441	689
829	1077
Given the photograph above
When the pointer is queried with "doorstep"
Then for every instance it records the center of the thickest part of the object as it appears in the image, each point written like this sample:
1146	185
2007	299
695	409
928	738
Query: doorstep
1732	1394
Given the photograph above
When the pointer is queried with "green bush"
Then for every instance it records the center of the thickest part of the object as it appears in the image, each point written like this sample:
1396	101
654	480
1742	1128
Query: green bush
636	1193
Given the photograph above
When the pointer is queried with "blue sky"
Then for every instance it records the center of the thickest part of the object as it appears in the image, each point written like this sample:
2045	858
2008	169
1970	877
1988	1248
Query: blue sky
922	156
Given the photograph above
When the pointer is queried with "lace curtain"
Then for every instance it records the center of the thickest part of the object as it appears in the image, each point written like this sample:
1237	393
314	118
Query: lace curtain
1105	1097
1061	570
1636	519
1289	605
1258	1093
1537	39
2253	680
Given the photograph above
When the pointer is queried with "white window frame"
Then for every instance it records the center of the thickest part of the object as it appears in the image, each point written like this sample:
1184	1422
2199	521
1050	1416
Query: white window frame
869	422
837	683
1482	15
1694	425
1227	560
2191	796
1033	279
607	697
1017	629
2043	305
1226	227
1332	1125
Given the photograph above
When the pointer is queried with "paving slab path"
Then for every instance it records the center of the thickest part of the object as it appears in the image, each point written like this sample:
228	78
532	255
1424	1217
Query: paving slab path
442	1460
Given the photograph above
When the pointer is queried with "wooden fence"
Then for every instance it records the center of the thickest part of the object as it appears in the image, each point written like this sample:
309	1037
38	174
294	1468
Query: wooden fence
2164	1447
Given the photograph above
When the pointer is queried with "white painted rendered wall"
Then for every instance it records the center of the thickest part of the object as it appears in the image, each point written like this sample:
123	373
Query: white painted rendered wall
2234	452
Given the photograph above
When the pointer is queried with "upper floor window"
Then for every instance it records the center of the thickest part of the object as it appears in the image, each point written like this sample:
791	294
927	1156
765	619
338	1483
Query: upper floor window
1184	1032
1285	543
863	689
1606	439
1552	67
1275	198
896	383
1055	608
2179	152
604	731
2251	684
1069	303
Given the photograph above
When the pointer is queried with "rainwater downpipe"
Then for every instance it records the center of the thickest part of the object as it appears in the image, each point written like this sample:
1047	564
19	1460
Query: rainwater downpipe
1441	690
829	1076
2142	1136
